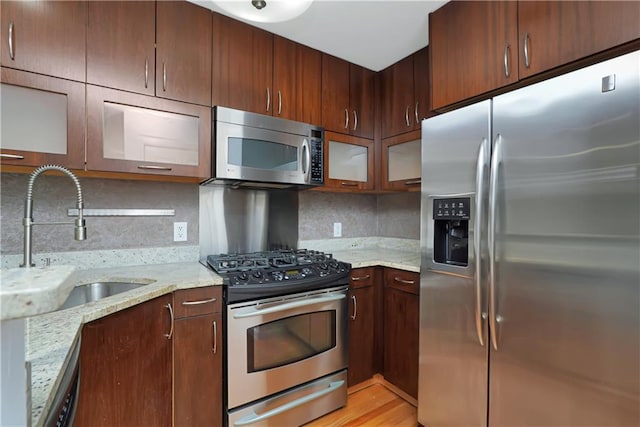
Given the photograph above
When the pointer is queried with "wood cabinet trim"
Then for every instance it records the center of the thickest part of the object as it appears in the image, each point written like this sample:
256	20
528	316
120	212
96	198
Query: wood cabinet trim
401	185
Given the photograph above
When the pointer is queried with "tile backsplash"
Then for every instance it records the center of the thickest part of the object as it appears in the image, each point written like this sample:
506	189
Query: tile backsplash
361	215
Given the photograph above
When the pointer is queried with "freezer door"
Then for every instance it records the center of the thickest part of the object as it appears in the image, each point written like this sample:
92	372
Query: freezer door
453	352
566	165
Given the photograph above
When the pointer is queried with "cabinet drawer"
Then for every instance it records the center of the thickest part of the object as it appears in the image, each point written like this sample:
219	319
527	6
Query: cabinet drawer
197	301
402	280
361	277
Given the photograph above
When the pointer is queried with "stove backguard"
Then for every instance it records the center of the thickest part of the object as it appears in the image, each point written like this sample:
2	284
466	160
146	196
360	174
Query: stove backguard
246	220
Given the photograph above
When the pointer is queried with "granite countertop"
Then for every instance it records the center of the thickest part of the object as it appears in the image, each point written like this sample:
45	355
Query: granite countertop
50	337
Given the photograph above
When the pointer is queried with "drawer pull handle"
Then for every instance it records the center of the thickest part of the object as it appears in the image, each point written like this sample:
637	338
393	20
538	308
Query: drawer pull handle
157	168
215	337
12	54
355	307
12	156
164	77
413	182
406	116
204	301
346	118
403	281
356	279
146	72
527	60
268	99
279	102
507	67
349	184
355	120
416	113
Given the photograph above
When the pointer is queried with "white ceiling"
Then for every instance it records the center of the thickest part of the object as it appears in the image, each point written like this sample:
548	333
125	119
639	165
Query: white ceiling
370	33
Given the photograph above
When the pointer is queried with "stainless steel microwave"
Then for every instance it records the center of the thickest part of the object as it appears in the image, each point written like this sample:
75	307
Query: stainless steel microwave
255	150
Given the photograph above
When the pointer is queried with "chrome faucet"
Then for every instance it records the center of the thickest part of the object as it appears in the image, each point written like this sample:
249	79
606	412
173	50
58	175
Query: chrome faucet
80	232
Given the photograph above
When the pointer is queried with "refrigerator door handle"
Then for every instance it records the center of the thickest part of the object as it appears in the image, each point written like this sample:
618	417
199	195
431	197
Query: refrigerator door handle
496	160
481	166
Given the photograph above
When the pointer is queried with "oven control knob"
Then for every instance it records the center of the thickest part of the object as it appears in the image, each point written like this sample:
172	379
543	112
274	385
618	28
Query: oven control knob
257	274
277	275
307	271
323	265
243	277
333	264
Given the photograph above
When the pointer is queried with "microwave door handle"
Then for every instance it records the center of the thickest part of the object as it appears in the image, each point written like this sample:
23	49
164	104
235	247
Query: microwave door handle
306	162
289	306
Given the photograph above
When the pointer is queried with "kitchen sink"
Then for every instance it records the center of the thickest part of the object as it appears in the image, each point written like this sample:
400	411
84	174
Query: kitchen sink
83	294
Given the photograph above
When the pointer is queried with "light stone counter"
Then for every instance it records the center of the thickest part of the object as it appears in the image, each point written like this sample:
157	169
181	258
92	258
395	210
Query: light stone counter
385	257
50	336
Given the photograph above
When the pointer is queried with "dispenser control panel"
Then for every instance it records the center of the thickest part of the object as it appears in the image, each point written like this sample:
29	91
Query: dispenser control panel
452	209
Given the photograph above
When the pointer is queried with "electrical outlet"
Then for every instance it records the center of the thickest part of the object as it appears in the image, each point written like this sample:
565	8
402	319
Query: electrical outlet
337	229
179	231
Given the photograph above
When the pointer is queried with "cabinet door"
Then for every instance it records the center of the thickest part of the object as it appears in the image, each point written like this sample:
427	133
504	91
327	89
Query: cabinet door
284	78
45	37
133	133
553	33
197	367
361	325
402	162
335	94
473	49
348	162
401	314
309	85
125	368
362	101
397	98
43	120
183	55
121	45
421	93
242	66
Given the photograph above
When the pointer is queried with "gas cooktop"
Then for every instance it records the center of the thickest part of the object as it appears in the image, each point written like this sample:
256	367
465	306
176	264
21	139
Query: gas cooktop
260	275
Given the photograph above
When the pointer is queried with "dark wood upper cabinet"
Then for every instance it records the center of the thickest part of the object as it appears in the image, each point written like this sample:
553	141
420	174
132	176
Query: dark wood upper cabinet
284	77
553	33
348	94
242	66
45	37
397	89
473	48
362	101
421	87
121	45
183	56
309	85
125	368
479	46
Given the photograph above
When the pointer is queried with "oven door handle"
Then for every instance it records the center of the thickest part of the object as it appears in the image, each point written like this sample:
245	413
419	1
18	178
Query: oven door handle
288	306
254	418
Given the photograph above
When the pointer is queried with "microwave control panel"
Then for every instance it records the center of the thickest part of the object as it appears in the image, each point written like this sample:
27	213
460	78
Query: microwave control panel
317	163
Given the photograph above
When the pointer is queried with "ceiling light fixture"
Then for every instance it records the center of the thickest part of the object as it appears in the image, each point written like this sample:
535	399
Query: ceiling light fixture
264	10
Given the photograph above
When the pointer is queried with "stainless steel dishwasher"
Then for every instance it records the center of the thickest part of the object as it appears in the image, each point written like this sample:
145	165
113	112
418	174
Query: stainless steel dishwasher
63	408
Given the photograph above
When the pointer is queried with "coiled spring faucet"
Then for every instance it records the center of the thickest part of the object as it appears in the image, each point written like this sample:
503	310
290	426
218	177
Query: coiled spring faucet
80	232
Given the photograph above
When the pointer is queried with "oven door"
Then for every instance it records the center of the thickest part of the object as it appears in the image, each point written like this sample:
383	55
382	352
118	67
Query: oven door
273	345
262	155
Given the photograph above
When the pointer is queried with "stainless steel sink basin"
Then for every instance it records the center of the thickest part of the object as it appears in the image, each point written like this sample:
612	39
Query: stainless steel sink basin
83	294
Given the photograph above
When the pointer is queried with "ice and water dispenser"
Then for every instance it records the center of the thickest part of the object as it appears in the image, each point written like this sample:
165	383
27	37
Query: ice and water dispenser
451	230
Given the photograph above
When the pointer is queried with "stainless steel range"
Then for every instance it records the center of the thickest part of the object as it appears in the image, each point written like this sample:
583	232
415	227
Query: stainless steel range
286	335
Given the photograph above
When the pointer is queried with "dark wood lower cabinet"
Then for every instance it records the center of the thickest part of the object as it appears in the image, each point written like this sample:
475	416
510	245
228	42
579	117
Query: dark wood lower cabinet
361	326
401	335
125	368
197	367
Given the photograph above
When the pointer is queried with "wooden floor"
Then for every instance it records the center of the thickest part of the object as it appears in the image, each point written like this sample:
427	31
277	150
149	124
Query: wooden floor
372	406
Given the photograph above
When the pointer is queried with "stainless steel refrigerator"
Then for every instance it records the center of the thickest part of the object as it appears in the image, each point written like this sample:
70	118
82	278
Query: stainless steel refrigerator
530	241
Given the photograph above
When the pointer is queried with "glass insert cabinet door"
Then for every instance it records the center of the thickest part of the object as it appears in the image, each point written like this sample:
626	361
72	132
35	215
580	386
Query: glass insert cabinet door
402	161
289	340
349	162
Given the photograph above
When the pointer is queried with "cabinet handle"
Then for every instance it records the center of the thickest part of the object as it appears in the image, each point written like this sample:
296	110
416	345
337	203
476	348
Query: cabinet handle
507	68
413	182
346	118
164	77
527	62
355	307
406	116
146	72
403	281
11	52
349	184
11	156
215	337
204	301
279	102
355	120
268	99
158	168
170	334
416	113
357	279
